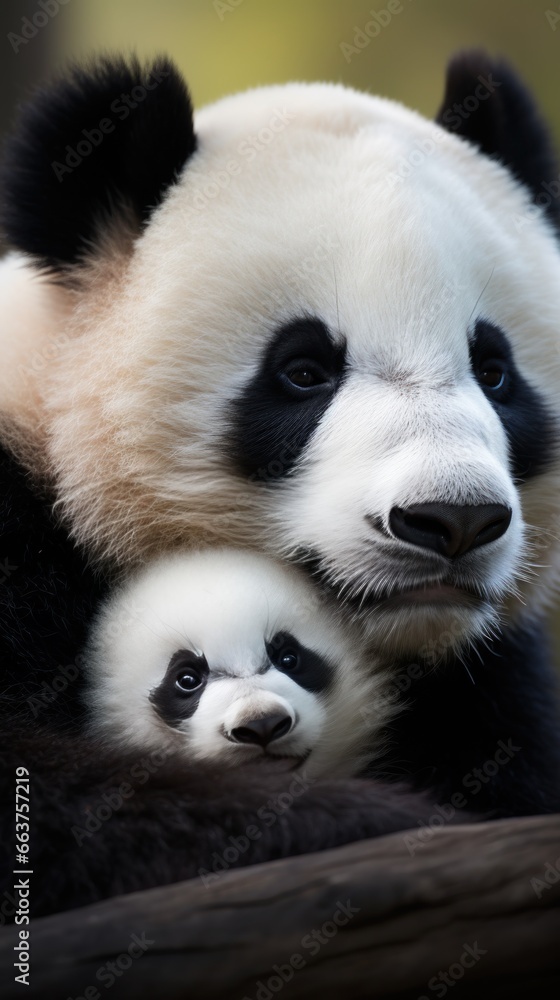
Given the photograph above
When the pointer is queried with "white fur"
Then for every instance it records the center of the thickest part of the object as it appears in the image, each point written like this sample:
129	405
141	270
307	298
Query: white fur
227	605
319	220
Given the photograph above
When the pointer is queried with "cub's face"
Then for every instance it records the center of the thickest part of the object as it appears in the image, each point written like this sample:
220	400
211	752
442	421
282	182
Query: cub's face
231	658
337	353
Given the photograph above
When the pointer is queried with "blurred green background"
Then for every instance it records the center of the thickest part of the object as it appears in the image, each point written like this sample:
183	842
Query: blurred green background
227	45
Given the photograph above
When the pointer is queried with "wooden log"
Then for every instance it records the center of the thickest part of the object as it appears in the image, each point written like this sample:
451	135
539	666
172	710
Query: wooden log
474	912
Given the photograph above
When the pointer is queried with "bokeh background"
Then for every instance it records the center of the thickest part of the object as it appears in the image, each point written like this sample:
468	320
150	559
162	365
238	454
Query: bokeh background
227	45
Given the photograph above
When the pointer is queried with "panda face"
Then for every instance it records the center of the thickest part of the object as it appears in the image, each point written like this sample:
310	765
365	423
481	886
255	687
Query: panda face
228	657
414	520
374	414
339	346
274	704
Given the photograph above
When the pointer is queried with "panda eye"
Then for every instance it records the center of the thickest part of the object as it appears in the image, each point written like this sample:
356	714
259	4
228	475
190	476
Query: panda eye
289	660
176	697
305	667
188	681
492	363
492	374
303	375
187	672
284	652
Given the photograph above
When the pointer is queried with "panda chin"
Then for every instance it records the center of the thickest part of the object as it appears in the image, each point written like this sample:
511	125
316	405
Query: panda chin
434	620
277	763
432	629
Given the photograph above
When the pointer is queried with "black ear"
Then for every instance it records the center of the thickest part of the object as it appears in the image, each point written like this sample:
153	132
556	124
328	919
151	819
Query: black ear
97	147
487	103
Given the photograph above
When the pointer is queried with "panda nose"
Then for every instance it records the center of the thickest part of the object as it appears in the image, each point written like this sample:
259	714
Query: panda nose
262	731
450	529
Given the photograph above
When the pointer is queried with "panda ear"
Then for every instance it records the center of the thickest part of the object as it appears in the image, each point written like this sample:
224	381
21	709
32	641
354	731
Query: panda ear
93	151
487	103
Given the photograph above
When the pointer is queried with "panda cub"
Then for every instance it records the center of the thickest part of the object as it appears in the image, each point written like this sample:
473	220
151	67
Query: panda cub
230	657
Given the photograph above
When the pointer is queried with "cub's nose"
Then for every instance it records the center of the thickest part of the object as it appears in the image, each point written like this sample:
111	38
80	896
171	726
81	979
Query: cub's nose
450	529
262	731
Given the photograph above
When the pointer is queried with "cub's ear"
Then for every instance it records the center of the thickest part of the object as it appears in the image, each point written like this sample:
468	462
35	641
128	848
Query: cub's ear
93	152
487	103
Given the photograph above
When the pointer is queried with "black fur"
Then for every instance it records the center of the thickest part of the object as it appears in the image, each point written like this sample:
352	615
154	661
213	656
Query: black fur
506	124
48	595
311	671
272	420
56	213
531	428
459	712
173	703
101	827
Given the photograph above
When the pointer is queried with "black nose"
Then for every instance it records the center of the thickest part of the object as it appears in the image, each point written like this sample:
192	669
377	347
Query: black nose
451	529
262	731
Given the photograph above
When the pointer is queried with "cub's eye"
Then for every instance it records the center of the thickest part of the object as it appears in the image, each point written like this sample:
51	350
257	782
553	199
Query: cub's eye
492	374
188	681
176	697
303	375
285	652
289	660
187	672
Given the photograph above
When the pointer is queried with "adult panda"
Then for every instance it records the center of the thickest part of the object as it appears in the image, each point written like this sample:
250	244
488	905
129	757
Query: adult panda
312	322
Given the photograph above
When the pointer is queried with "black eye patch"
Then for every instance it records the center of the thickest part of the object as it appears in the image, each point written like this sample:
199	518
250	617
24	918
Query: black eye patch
305	667
278	410
530	426
176	698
